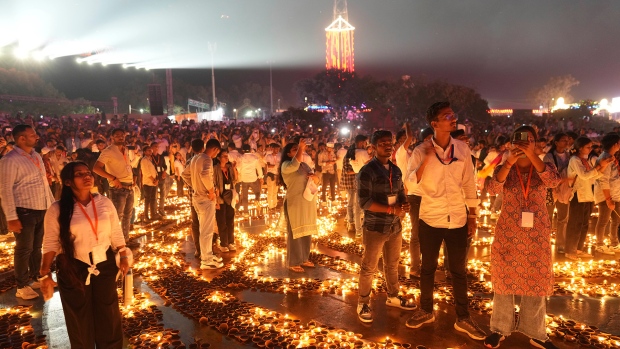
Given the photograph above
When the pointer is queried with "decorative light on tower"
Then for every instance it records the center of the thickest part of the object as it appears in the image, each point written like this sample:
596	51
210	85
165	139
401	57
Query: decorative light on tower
339	40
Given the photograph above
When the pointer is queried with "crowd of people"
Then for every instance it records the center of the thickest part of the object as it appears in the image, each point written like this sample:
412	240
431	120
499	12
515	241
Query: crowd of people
70	186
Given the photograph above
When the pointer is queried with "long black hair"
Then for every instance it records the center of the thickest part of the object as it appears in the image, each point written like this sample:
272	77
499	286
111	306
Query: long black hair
67	261
556	138
285	157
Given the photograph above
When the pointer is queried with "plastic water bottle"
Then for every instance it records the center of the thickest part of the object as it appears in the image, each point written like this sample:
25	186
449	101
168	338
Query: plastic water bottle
128	288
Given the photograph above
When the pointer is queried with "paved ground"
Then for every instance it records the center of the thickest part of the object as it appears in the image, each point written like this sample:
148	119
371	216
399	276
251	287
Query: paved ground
335	310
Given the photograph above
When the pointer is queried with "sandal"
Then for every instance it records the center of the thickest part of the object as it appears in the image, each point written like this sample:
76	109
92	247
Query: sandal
297	269
308	264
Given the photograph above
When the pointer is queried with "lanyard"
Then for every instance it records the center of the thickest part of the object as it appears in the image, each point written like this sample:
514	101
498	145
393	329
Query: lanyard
526	190
94	227
36	163
450	159
585	163
225	173
391	190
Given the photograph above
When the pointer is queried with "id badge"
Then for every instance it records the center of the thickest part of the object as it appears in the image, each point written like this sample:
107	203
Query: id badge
391	199
226	186
99	253
527	220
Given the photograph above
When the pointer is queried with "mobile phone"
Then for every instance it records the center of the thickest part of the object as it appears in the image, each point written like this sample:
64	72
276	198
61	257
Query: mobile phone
520	137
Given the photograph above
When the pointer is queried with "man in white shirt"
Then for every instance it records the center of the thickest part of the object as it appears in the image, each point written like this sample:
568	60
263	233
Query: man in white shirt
25	195
444	173
327	161
250	175
340	153
273	169
200	174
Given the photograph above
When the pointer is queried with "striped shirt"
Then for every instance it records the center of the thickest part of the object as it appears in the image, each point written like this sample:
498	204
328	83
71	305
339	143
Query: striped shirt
24	183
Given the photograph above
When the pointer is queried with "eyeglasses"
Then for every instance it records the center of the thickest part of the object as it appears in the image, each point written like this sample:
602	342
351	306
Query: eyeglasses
81	174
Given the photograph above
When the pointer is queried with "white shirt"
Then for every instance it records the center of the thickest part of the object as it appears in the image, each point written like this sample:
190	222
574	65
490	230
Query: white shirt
117	164
249	168
149	173
162	145
584	179
340	158
274	160
109	231
308	160
610	179
238	140
402	161
446	190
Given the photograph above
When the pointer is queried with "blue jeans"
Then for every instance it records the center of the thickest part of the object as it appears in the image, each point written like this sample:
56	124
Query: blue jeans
531	316
122	198
27	258
354	211
374	244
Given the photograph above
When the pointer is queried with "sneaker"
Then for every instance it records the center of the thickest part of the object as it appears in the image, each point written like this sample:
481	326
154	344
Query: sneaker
560	251
414	274
350	228
216	258
492	340
232	247
26	292
35	285
364	313
211	265
605	250
419	318
401	302
615	248
543	345
470	327
223	249
582	254
572	257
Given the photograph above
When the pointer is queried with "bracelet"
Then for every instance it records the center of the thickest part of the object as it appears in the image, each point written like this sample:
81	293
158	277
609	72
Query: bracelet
44	277
123	257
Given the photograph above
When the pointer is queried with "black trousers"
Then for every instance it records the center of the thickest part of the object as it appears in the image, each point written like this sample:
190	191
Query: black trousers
91	313
225	218
329	178
195	227
150	201
456	244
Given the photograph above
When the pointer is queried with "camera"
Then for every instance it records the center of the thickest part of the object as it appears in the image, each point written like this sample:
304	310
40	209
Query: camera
520	137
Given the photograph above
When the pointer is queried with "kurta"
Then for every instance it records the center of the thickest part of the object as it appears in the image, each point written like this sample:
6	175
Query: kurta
521	261
301	212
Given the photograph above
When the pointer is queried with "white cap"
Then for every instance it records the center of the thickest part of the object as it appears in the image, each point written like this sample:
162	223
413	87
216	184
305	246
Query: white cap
330	145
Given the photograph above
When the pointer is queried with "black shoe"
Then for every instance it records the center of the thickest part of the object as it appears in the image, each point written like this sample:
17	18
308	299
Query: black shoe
133	244
470	327
414	275
364	313
492	340
543	345
419	318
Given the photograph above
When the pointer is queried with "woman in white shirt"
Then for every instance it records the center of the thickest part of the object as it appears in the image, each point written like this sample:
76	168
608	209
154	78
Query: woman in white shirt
82	229
607	197
584	173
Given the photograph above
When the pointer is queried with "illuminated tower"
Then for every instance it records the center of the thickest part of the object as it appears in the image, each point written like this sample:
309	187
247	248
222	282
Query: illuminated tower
339	43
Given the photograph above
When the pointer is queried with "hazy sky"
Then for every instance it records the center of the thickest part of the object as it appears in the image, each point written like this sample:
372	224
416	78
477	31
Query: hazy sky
503	48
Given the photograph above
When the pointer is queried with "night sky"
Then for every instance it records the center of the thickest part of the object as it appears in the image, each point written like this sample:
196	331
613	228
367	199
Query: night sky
501	48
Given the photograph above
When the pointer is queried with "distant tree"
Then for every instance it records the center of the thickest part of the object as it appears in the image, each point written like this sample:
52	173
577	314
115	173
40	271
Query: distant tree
556	87
334	87
20	83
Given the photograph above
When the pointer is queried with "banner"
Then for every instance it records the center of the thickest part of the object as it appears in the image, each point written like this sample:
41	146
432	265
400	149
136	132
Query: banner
197	104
